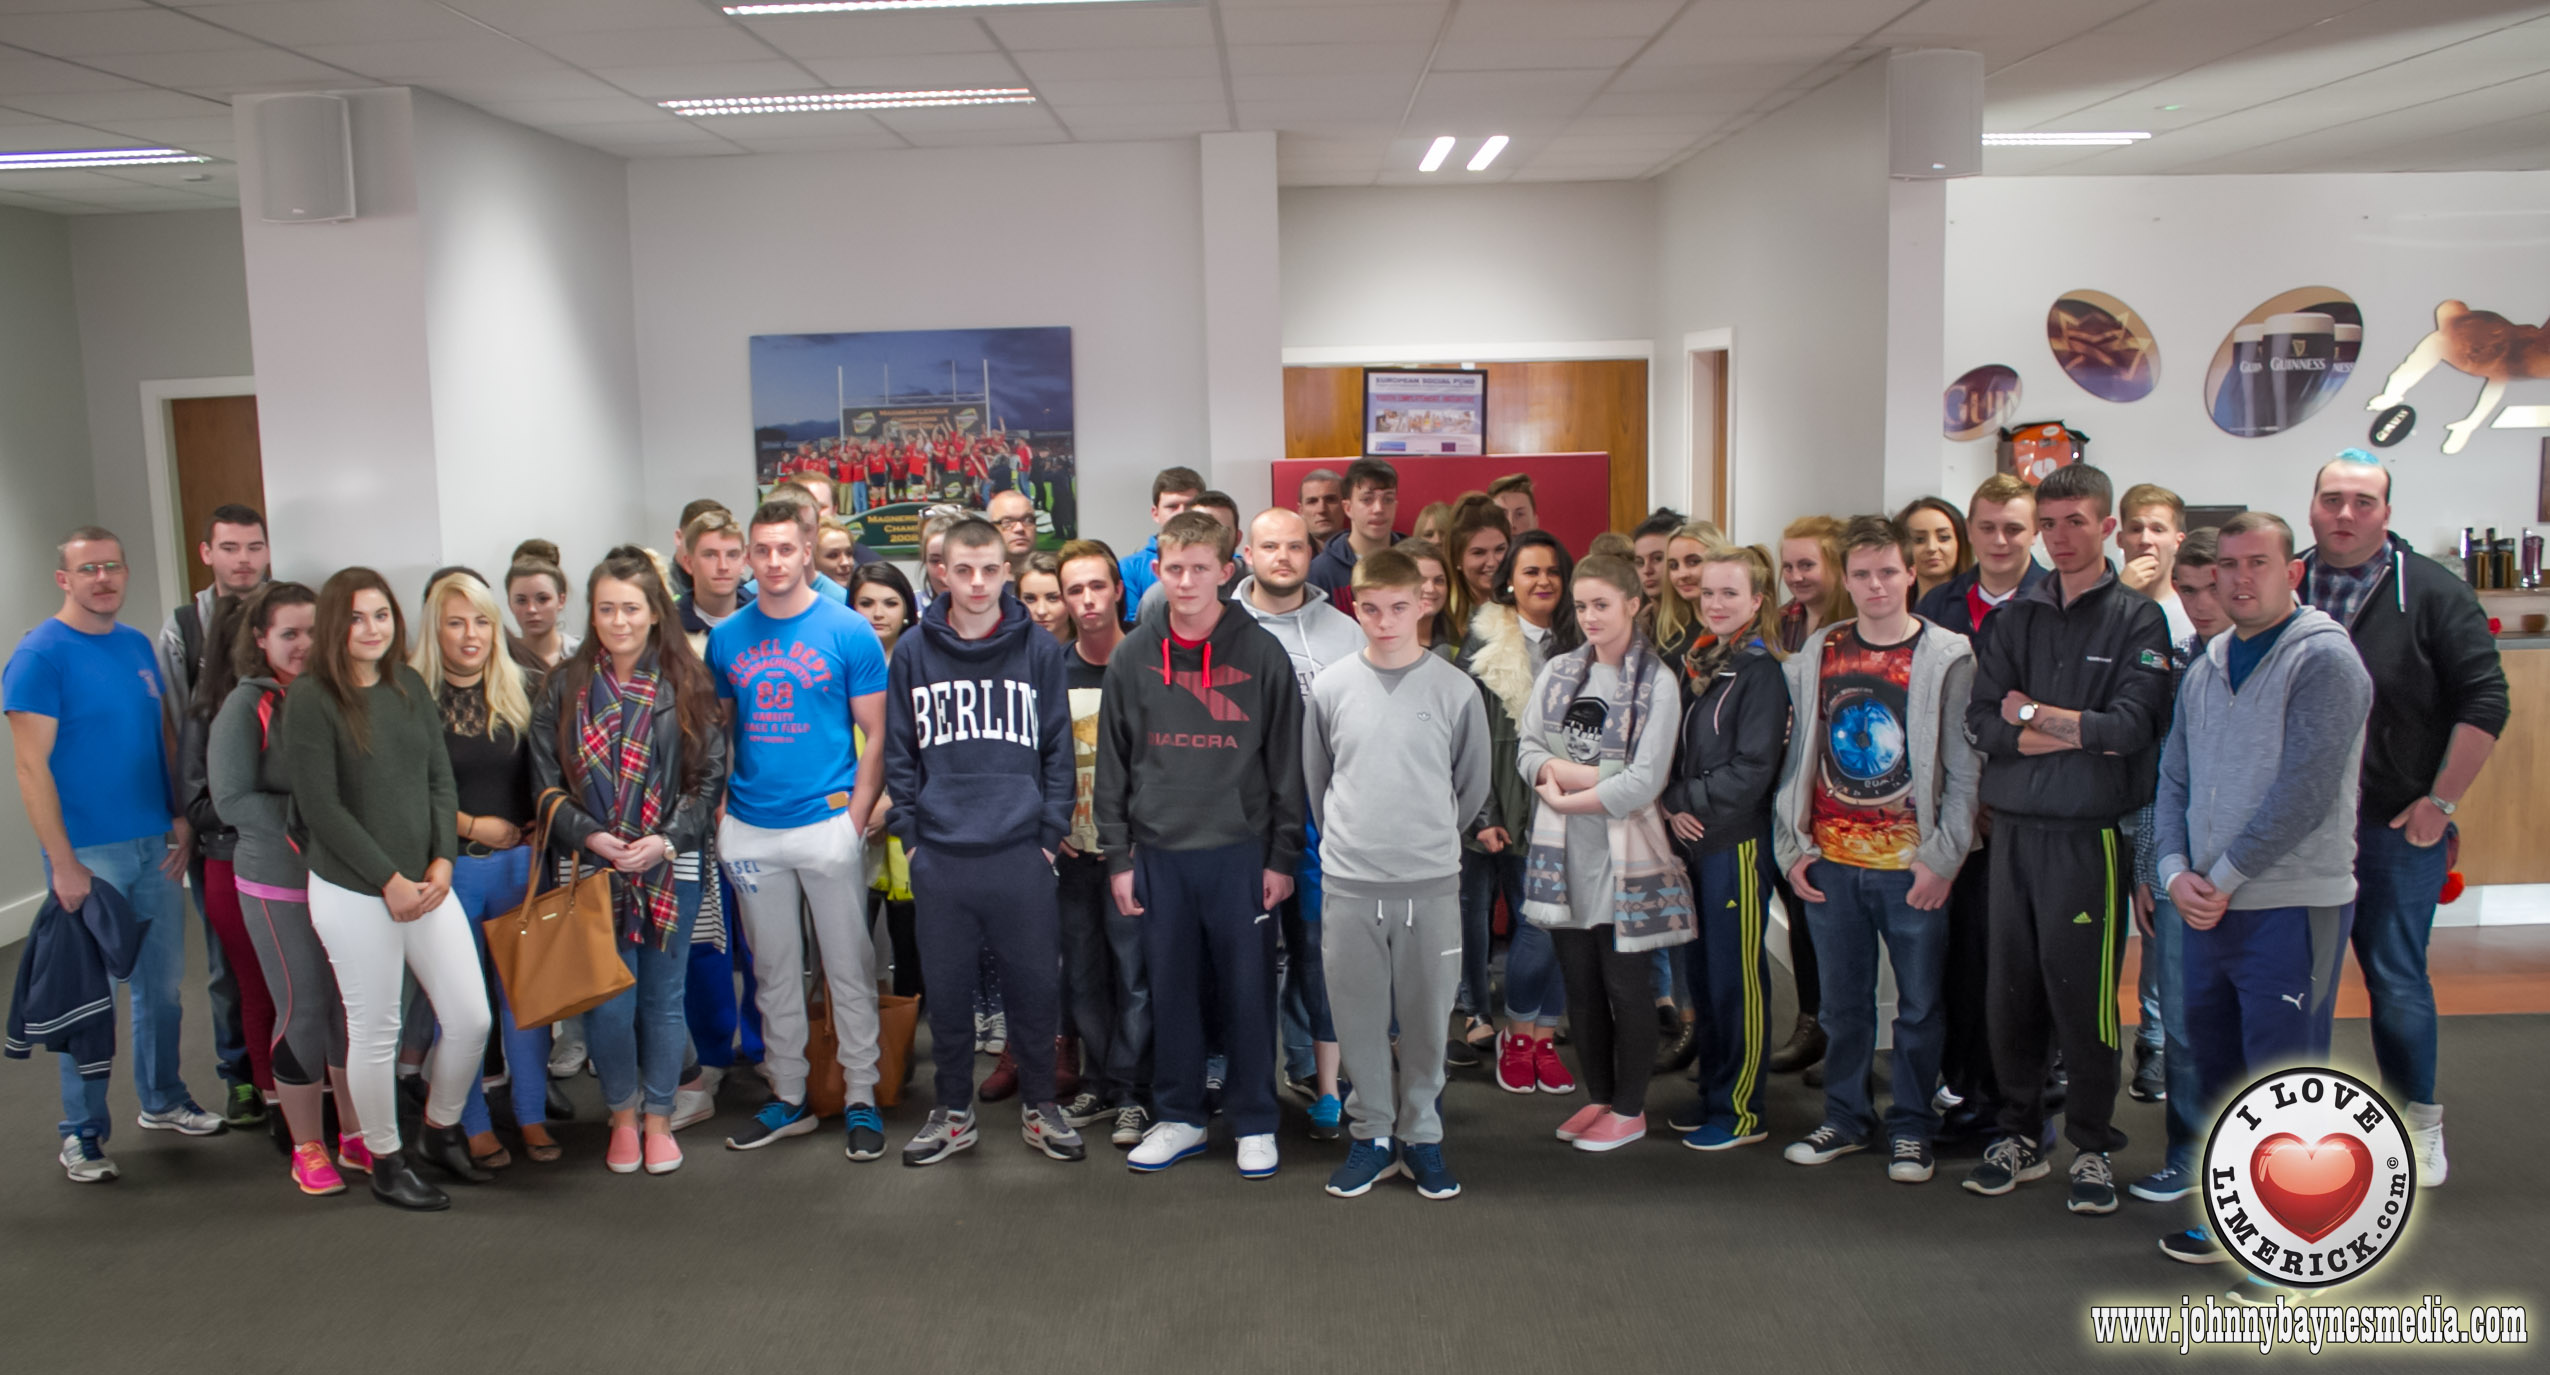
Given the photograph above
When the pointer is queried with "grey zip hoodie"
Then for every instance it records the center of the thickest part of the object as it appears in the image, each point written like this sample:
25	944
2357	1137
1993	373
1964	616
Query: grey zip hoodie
2257	788
1314	634
1946	770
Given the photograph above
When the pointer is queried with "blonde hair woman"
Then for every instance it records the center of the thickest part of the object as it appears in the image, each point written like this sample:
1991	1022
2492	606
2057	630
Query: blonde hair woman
1677	614
486	710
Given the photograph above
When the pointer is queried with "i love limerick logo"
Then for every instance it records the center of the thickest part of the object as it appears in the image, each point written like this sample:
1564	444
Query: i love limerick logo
2308	1177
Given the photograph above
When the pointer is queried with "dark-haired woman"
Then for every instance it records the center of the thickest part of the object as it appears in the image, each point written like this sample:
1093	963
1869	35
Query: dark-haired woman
1940	550
363	747
244	771
630	731
1437	629
218	895
1528	620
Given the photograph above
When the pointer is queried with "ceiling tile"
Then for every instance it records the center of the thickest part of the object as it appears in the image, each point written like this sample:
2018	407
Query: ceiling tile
91	33
710	78
541	18
1331	23
1518	54
28	74
872	35
929	72
655	47
1328	59
1106	26
425	62
1171	91
1147	121
983	138
1084	64
105	108
1502	95
1530	19
303	24
34	135
226	73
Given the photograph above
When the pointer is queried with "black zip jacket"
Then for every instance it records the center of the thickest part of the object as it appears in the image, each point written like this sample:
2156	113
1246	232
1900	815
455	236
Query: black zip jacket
2425	640
1735	733
978	736
1200	747
2106	655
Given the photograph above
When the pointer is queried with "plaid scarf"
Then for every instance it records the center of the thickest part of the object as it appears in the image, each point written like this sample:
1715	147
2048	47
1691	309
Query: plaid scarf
615	727
1651	893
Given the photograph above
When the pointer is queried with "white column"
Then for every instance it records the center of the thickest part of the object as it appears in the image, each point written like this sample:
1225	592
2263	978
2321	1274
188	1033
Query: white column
1243	317
1916	326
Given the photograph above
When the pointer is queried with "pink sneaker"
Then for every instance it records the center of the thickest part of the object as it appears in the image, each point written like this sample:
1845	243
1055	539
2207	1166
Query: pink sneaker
1514	1063
1546	1067
352	1154
1612	1131
662	1155
311	1170
1581	1122
625	1154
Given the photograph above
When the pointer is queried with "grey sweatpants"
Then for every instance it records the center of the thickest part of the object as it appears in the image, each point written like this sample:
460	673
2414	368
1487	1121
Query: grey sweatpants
822	865
1401	955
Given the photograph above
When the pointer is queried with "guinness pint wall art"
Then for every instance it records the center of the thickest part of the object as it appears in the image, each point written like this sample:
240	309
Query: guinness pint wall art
2103	345
2283	361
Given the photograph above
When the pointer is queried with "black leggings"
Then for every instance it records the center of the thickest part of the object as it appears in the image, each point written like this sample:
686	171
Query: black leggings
1611	1009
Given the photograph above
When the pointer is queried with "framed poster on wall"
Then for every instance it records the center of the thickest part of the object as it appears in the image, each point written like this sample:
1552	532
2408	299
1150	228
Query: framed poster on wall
1425	411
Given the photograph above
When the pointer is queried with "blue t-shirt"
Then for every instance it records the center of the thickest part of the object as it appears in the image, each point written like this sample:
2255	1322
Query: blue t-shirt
792	680
2245	654
108	761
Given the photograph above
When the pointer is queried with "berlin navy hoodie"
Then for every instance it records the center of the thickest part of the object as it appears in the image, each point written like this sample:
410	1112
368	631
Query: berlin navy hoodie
978	736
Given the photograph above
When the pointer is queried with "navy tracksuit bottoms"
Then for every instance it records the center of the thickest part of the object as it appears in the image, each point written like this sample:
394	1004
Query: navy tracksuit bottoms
1203	925
2260	989
1003	901
1730	981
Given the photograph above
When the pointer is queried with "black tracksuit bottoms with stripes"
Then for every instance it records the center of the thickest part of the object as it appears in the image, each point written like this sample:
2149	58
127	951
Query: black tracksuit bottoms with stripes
2057	934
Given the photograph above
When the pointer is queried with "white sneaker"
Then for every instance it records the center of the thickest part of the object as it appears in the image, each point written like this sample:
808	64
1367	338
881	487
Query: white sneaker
1164	1145
186	1119
566	1053
85	1162
996	1033
696	1102
2426	1135
1257	1156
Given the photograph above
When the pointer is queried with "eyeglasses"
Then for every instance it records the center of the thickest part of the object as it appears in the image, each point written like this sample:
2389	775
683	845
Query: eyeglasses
1016	522
98	570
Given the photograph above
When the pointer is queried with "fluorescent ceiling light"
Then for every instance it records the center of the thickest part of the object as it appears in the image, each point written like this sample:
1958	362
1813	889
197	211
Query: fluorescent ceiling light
96	157
2063	139
855	6
817	102
1487	153
1441	149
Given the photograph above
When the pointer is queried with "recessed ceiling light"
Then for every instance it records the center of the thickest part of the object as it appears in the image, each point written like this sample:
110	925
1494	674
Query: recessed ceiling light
816	102
1436	153
96	157
2062	139
854	6
1487	153
2173	107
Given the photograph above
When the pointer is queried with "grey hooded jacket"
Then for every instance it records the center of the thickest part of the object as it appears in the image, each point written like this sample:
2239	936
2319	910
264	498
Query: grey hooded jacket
1946	768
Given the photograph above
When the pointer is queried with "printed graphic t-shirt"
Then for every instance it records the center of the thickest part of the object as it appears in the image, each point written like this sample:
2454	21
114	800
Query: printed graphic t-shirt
792	680
1085	679
1863	808
103	691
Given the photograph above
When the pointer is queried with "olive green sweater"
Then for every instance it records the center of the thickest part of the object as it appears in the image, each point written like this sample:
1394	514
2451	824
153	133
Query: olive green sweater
377	812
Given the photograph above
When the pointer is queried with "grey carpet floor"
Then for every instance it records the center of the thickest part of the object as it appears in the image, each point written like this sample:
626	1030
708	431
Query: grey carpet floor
204	1259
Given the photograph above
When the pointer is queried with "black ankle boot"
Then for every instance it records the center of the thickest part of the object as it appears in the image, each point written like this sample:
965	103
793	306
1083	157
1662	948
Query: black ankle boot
447	1149
1805	1047
394	1182
1676	1052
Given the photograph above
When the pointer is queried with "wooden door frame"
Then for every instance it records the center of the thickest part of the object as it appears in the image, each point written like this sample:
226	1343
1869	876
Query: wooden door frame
1722	342
159	463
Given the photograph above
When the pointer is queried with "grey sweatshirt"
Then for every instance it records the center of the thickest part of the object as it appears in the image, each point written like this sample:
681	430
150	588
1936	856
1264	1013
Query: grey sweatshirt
1315	635
2258	787
1396	764
244	770
1947	770
1640	781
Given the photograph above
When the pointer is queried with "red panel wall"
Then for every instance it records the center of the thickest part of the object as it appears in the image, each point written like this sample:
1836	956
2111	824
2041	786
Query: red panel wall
1573	491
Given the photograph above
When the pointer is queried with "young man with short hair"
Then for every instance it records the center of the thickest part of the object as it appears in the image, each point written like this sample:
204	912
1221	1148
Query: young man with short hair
1315	635
1321	499
2256	825
94	758
2439	704
1871	822
1106	992
692	510
2151	526
1513	495
1395	764
804	673
1172	491
1372	509
2071	698
2001	521
978	757
1199	806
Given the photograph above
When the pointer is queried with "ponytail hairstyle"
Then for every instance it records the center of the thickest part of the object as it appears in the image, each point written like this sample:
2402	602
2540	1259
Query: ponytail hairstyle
1756	563
332	659
1676	619
694	693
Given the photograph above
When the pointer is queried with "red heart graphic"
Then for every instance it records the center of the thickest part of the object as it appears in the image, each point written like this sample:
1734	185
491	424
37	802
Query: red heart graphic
2311	1189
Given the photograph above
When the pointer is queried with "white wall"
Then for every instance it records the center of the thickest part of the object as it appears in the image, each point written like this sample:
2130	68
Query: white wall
2194	254
1493	264
1780	235
1243	314
161	297
44	445
531	326
1104	238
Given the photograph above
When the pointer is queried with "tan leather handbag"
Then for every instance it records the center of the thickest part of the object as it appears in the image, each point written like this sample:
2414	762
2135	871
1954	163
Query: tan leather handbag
557	953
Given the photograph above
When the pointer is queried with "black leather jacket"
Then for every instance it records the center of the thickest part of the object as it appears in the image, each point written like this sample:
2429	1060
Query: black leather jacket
688	824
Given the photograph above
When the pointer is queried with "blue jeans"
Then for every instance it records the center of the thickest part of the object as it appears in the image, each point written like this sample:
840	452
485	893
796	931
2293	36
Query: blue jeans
637	1038
2396	885
1483	876
489	886
2185	1112
1859	907
132	867
1303	1002
709	1001
1535	990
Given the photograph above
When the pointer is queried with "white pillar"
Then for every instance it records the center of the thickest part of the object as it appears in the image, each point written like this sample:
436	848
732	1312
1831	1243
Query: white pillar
1916	329
1243	317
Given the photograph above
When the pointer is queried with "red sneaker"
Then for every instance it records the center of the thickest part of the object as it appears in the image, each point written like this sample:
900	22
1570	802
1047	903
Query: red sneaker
352	1154
1001	1083
1514	1063
311	1170
1553	1076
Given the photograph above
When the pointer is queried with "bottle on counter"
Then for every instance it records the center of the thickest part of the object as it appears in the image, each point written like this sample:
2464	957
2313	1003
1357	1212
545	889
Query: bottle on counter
2531	559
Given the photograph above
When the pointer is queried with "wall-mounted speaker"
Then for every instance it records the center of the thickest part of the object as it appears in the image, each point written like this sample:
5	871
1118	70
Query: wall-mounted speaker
1934	113
305	143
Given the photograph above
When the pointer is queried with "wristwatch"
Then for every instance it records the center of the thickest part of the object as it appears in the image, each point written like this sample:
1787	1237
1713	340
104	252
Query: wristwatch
2447	808
2027	713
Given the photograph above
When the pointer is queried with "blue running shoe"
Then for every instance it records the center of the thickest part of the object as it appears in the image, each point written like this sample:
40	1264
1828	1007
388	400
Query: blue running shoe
1367	1164
1423	1162
1325	1113
1709	1136
866	1130
777	1118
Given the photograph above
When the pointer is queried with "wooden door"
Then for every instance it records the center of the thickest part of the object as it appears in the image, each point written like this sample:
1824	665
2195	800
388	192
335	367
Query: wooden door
1709	435
218	464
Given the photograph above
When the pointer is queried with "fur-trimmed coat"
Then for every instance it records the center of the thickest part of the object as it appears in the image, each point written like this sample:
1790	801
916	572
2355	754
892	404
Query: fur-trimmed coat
1504	661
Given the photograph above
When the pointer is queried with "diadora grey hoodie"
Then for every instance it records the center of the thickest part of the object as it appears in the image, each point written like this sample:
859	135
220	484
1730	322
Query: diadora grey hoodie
2257	787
